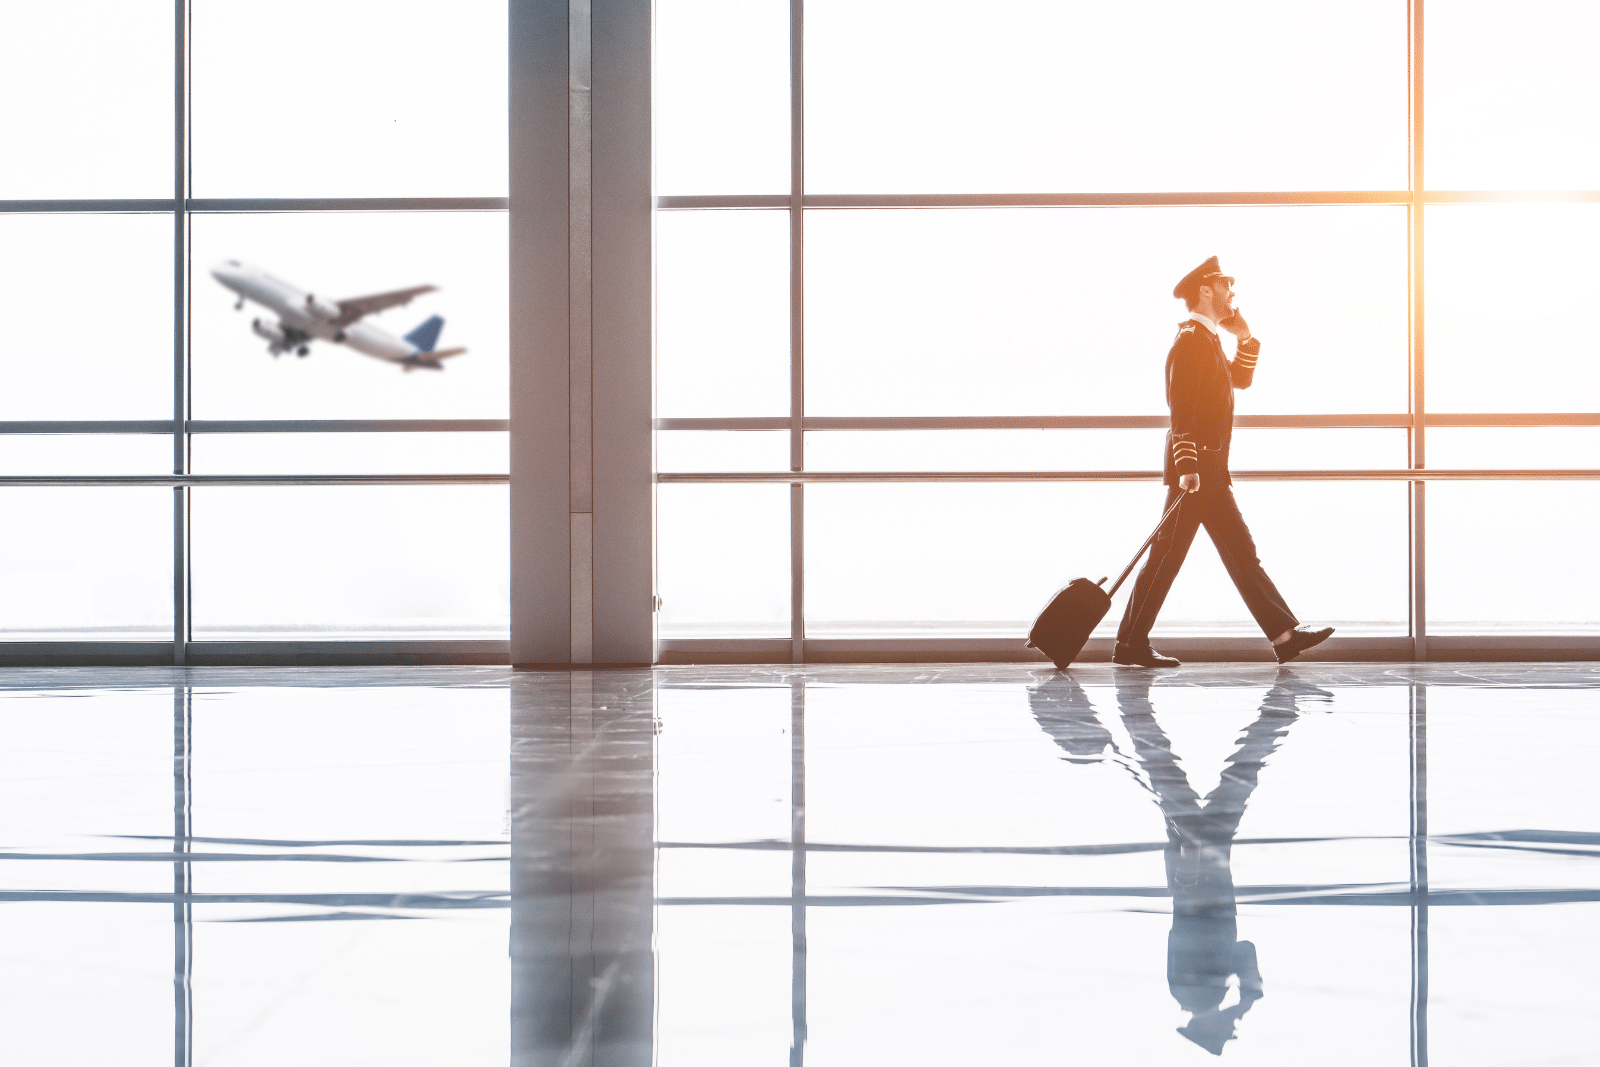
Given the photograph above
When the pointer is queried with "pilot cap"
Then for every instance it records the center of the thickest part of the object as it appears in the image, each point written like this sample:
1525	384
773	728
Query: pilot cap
1190	285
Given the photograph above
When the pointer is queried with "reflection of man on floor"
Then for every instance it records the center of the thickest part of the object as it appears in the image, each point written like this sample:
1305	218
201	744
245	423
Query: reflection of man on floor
1204	955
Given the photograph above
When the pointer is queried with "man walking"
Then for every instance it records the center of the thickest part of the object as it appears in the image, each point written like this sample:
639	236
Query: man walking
1200	385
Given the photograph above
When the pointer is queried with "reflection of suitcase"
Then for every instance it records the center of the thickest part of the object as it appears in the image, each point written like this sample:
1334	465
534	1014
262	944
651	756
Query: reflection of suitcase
1072	614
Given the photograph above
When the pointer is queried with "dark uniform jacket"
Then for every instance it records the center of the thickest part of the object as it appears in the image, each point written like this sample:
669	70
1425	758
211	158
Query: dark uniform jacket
1200	385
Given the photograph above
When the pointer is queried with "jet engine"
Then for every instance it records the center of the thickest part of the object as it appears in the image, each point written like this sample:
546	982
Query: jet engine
321	309
271	331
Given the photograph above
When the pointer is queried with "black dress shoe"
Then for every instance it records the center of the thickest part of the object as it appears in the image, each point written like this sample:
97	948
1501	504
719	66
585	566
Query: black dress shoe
1141	656
1300	639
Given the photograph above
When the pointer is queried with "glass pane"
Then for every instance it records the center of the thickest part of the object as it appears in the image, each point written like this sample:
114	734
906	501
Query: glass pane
350	453
1473	523
41	454
91	105
1510	292
336	257
1261	448
984	450
1530	78
722	450
1002	550
1070	311
349	98
722	555
87	347
722	313
1512	822
929	96
1091	450
721	104
368	892
1514	448
86	564
356	563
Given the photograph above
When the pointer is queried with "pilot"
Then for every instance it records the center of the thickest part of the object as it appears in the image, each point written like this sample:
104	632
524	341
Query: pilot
1200	385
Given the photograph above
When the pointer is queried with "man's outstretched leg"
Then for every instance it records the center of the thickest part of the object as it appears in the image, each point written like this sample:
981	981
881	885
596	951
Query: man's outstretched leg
1238	551
1155	579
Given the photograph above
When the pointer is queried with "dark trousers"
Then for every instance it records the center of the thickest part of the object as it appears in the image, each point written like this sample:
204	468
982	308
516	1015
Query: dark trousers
1215	509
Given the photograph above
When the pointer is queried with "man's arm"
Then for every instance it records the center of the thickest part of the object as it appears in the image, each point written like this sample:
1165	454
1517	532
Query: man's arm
1185	385
1242	368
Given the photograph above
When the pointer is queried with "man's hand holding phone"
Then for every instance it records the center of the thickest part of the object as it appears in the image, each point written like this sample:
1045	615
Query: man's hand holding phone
1236	325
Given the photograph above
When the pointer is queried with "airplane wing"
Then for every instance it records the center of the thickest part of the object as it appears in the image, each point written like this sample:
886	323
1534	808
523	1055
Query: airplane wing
358	306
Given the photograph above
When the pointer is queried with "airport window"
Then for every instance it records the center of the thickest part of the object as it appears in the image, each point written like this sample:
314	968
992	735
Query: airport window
976	225
190	470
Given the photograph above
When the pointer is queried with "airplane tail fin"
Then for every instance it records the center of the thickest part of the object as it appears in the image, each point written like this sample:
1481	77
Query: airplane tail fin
426	335
431	362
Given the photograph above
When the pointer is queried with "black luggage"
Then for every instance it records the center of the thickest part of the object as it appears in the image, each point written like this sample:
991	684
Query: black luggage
1064	626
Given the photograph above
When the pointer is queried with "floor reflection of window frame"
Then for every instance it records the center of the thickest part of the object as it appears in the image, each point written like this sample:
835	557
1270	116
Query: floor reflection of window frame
797	872
1417	837
182	876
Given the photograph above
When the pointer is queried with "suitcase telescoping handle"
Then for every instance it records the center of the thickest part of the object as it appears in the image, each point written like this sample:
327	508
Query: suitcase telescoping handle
1147	542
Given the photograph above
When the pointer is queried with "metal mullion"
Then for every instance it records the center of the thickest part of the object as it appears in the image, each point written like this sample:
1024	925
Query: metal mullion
257	205
1417	437
943	422
880	201
180	329
797	374
348	425
182	481
1398	474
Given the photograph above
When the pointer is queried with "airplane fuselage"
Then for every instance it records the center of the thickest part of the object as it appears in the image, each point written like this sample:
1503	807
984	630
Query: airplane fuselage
303	317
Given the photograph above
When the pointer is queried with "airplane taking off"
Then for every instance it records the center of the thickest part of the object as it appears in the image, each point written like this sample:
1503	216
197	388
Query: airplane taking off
305	317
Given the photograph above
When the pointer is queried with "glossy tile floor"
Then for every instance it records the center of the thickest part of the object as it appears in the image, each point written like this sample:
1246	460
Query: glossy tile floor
1325	864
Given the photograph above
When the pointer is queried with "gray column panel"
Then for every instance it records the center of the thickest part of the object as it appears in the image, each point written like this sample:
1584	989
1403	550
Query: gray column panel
624	580
540	551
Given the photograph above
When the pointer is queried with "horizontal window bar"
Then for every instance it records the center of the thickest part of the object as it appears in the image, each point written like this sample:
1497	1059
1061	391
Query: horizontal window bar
1566	418
372	203
1127	422
937	200
174	481
1290	199
1198	649
256	204
1033	422
1396	475
226	653
36	207
1510	196
346	425
54	426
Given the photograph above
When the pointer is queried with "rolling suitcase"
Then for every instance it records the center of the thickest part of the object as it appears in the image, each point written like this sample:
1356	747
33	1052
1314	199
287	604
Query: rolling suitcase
1072	614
